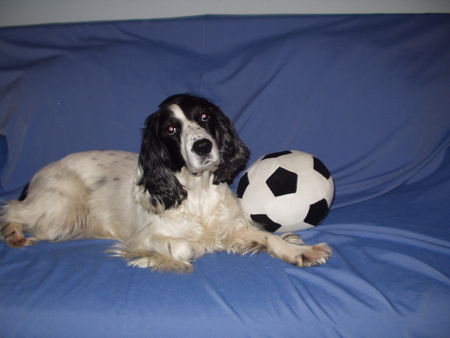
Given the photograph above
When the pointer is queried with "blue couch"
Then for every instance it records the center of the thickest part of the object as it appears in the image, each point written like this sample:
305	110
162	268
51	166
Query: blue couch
367	94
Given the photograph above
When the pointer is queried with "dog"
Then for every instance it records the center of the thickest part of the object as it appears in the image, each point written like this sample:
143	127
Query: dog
165	206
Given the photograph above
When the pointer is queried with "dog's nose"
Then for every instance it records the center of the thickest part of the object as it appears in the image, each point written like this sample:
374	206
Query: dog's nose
202	147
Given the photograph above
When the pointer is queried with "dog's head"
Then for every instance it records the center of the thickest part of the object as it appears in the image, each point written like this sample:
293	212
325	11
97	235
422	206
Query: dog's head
187	131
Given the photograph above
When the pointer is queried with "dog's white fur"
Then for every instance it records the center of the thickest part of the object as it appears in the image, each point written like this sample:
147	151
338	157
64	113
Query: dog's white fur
96	194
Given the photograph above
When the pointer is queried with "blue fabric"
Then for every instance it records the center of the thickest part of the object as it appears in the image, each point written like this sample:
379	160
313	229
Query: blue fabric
367	94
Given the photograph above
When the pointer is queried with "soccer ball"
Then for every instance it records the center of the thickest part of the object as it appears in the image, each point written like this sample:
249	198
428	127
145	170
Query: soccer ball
286	191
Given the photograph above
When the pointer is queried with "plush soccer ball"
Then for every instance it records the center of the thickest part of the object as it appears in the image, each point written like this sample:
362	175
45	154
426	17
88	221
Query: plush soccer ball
286	191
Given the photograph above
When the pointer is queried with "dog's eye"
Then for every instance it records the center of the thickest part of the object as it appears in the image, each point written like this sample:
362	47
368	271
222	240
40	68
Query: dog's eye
204	117
171	130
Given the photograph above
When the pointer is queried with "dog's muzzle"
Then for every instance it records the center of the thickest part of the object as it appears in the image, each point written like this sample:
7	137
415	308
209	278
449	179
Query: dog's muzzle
202	155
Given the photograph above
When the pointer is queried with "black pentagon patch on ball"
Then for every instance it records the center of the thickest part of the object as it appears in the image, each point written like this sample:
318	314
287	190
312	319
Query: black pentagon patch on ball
282	182
242	186
265	222
320	168
317	212
278	154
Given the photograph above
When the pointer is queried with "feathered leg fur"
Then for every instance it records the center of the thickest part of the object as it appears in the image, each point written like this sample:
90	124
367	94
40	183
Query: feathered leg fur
289	247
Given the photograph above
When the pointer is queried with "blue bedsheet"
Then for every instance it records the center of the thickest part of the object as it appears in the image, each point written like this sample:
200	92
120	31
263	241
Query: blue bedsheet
368	94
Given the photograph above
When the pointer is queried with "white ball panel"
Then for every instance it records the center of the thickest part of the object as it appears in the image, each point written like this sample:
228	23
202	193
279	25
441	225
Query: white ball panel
297	162
286	209
253	195
311	186
262	168
329	191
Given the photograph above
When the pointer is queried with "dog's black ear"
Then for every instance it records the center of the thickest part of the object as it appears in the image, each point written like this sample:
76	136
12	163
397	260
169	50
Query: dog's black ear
157	166
233	152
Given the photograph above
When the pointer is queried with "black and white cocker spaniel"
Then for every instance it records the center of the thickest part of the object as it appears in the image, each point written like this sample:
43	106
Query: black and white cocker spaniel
166	206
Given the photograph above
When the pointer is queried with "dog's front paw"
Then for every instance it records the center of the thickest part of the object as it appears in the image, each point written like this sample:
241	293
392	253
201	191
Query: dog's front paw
19	242
161	263
314	255
185	251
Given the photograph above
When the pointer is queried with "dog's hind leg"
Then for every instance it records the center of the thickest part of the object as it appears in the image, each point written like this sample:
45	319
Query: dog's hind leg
13	235
55	209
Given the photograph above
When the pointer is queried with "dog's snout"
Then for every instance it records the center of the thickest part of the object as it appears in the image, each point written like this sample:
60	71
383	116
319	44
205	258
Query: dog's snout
202	147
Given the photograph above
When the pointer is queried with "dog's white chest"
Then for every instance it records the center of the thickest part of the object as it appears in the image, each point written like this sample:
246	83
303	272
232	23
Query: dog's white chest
208	208
203	196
